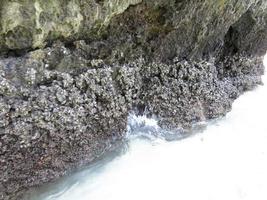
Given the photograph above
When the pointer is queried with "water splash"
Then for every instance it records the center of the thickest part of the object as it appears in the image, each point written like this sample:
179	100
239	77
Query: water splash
148	128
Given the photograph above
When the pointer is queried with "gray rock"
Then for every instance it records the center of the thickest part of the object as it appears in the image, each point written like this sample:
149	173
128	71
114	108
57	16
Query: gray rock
66	104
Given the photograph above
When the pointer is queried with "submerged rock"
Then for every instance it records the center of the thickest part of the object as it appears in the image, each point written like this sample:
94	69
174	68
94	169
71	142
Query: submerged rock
66	103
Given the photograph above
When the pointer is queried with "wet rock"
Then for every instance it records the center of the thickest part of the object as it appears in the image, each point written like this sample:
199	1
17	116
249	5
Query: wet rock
66	119
65	104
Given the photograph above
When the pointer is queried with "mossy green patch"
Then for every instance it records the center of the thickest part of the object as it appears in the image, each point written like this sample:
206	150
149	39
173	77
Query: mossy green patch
38	21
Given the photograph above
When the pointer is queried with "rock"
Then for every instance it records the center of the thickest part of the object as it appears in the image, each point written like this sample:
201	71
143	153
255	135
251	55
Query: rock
72	71
33	24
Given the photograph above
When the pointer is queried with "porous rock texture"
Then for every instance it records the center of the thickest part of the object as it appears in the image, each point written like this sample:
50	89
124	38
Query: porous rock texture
71	72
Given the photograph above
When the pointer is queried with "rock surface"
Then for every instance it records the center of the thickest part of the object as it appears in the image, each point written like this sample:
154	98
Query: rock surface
71	72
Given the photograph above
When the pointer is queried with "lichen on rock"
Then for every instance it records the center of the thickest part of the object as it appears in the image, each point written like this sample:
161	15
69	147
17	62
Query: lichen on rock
72	71
32	24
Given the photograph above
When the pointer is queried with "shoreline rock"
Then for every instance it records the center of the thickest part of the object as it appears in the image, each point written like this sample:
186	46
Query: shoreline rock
59	121
66	103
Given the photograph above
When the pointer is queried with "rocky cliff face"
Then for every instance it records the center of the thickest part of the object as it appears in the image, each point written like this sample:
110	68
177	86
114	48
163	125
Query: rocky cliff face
71	72
161	28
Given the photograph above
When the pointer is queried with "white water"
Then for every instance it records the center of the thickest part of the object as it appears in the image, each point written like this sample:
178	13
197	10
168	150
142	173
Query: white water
228	161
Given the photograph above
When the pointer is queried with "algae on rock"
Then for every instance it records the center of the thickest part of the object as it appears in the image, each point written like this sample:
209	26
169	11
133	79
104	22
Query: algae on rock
28	24
72	70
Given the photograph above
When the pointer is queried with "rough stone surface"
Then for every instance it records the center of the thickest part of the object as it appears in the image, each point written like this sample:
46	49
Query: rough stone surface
27	24
72	71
